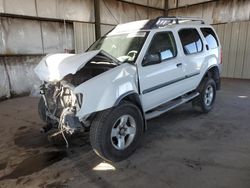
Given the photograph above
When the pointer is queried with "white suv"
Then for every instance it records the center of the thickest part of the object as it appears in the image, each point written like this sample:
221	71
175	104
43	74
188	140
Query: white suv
136	72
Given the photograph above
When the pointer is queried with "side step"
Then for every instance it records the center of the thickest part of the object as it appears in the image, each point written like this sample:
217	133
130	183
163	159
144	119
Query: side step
170	105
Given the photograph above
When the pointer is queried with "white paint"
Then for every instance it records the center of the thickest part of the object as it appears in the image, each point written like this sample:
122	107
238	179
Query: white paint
106	87
55	67
102	91
167	71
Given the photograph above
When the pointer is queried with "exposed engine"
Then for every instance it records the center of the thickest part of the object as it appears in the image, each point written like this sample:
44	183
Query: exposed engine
59	109
89	71
61	104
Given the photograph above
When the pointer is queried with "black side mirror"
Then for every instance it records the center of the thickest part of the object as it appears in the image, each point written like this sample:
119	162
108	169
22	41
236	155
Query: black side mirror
151	59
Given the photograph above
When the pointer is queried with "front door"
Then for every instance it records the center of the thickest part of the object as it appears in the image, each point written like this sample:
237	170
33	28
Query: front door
161	74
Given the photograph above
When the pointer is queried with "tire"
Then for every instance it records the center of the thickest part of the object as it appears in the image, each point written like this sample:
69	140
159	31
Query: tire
205	101
42	110
115	133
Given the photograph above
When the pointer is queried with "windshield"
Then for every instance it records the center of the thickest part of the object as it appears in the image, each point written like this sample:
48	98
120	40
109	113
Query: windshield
124	47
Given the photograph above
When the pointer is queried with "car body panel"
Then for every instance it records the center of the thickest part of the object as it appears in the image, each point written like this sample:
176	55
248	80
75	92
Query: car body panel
192	70
102	91
55	67
154	75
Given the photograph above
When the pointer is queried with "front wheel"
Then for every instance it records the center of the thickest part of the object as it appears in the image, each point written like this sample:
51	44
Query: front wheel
42	110
115	133
207	95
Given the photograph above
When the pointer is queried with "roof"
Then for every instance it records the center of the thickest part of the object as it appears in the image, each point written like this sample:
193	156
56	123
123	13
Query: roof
159	22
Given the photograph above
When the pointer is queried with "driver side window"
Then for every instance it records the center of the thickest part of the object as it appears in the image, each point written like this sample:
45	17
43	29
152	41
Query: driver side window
163	44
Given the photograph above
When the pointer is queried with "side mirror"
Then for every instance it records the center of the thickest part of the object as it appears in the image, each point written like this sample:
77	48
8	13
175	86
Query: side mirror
151	59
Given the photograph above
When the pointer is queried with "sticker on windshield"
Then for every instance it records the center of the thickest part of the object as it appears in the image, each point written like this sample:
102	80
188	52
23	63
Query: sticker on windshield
138	34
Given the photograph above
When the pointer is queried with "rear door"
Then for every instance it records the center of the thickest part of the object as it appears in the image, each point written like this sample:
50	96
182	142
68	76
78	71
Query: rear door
194	55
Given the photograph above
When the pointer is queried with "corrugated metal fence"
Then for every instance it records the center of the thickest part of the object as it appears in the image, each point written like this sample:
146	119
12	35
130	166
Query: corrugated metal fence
235	41
84	34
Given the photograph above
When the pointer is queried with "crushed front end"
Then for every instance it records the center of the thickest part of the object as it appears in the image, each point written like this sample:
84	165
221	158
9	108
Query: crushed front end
58	107
61	75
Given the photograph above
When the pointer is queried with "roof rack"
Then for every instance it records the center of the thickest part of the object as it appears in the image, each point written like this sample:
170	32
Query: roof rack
162	21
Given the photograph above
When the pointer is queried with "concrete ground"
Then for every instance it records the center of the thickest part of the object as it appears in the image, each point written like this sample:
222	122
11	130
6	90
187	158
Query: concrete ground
182	148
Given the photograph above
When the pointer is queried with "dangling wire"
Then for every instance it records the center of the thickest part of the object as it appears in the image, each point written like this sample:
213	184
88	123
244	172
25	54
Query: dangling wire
64	137
61	128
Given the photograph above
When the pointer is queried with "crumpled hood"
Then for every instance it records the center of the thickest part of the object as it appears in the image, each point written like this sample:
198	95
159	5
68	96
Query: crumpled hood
56	66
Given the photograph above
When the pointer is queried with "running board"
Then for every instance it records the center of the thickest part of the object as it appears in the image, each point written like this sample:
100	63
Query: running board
170	105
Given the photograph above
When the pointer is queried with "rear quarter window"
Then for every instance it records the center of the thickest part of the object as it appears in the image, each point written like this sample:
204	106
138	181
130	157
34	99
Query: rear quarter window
191	41
210	37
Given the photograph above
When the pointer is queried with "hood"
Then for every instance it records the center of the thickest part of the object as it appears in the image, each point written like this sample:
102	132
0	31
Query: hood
56	66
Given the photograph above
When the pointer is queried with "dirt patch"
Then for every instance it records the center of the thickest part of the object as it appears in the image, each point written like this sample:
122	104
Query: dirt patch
56	185
31	139
35	164
196	165
22	128
3	165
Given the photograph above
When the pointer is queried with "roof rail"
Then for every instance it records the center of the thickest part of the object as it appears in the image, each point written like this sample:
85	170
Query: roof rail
165	21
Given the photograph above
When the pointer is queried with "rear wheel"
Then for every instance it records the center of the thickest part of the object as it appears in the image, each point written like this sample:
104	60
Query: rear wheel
115	133
205	101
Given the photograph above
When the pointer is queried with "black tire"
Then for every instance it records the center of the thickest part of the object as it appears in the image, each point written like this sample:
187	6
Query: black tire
42	110
200	101
101	127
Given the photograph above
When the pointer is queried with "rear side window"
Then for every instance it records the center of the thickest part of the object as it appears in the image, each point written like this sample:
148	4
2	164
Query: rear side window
210	37
191	41
164	44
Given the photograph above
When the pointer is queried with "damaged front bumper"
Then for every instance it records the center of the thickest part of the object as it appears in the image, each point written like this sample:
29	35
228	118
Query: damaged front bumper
61	106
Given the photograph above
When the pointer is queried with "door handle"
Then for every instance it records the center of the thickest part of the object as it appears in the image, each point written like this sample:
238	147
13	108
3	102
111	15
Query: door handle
178	64
207	47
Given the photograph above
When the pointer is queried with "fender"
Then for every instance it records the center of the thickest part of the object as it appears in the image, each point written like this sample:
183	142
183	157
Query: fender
105	90
121	97
134	98
215	76
210	63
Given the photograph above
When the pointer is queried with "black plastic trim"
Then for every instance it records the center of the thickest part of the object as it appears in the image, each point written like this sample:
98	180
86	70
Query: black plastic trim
218	84
169	83
122	96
